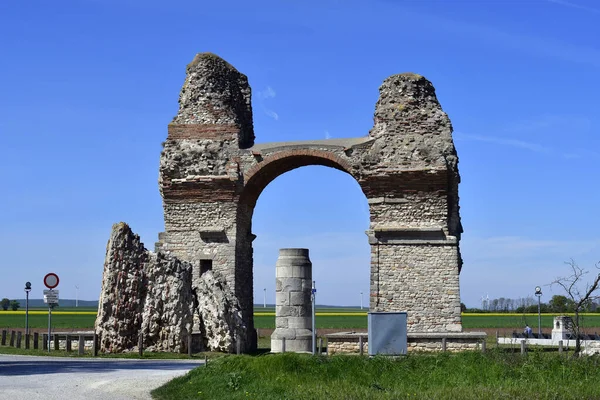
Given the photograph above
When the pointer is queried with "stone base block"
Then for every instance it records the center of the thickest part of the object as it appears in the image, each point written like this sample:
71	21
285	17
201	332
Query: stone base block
349	342
300	344
296	340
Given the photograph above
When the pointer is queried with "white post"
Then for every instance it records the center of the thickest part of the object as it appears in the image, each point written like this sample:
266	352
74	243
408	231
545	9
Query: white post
265	298
314	330
361	302
49	324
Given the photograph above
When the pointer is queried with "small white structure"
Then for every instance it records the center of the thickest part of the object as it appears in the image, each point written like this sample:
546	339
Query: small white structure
562	330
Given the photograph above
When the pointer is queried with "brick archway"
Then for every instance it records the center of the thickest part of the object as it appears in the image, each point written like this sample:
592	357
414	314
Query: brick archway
212	173
258	176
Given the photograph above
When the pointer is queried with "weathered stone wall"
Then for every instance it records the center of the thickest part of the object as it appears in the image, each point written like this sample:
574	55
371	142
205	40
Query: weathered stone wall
421	279
338	347
123	293
163	300
416	342
220	317
212	173
168	306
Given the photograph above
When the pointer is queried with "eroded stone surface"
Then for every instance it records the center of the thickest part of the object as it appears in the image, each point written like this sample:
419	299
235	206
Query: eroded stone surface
220	316
406	165
151	294
168	307
123	290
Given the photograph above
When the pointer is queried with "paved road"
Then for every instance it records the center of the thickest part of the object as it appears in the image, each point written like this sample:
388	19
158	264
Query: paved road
48	378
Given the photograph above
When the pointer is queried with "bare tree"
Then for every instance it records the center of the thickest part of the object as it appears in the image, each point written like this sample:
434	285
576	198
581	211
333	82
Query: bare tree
581	298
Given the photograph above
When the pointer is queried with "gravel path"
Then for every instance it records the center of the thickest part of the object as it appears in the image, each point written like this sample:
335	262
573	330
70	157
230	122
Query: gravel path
48	378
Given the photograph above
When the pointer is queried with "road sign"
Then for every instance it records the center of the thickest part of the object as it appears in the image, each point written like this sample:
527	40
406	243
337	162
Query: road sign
51	296
51	280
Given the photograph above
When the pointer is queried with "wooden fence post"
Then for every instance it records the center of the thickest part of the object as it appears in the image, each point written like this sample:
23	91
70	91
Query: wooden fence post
36	340
483	344
81	349
12	338
523	348
444	344
560	346
141	345
69	343
189	344
56	343
27	340
320	345
95	345
360	345
4	337
45	341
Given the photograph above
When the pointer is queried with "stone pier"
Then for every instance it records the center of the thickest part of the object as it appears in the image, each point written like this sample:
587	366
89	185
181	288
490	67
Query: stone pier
293	283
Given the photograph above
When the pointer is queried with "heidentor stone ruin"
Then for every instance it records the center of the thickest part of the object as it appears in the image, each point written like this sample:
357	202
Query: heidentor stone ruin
198	281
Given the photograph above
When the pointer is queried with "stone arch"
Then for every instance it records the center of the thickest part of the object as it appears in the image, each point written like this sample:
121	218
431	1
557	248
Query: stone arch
212	172
277	161
257	177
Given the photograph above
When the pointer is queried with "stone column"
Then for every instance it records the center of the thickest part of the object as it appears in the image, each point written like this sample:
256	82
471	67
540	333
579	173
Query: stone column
293	281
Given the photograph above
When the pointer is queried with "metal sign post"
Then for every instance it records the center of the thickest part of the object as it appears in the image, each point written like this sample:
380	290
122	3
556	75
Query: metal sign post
49	325
27	290
313	294
51	297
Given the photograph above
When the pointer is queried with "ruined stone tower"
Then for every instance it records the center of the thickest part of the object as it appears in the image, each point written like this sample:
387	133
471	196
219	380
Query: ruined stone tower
212	173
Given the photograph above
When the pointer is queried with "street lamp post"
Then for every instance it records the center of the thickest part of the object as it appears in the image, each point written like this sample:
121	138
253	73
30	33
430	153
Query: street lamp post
538	293
27	290
76	296
361	301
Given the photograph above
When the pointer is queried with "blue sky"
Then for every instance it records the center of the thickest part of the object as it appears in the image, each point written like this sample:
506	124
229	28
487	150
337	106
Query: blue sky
88	88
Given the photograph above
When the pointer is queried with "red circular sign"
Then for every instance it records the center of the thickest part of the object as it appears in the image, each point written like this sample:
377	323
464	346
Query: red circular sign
51	280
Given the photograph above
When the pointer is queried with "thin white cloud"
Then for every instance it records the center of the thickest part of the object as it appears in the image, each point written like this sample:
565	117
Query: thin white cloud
509	247
581	153
571	123
262	95
573	5
531	45
327	135
511	266
272	114
538	148
268	93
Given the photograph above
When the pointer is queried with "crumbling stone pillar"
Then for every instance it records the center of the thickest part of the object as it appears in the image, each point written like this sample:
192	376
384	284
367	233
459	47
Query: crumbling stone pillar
293	281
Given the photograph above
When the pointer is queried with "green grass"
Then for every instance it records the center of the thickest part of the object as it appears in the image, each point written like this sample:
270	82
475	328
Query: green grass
323	322
17	321
468	375
41	321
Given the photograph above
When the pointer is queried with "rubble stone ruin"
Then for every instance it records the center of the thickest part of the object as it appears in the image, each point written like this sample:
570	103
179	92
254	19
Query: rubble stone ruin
199	279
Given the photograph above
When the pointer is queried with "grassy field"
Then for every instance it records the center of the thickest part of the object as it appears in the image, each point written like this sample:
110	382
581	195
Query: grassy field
265	319
468	375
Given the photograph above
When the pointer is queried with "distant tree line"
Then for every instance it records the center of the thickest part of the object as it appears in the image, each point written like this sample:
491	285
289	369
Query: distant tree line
557	304
6	304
